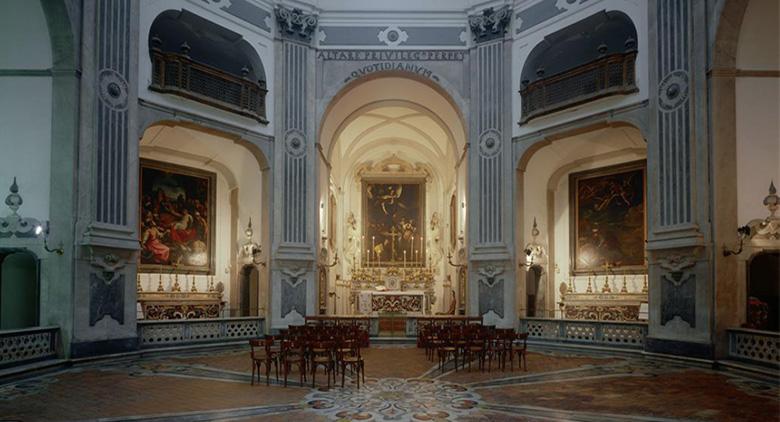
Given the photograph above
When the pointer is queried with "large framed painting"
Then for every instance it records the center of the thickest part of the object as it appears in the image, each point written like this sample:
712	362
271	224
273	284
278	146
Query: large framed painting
608	225
393	221
177	218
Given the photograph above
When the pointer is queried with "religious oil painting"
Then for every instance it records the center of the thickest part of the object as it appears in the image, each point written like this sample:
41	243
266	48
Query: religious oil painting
393	233
608	219
177	218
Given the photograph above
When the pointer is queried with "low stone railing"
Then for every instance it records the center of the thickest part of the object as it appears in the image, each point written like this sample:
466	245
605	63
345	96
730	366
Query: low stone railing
755	346
597	333
196	331
28	345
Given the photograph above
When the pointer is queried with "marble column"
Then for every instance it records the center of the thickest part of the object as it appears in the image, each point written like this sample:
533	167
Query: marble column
293	265
679	249
106	227
490	207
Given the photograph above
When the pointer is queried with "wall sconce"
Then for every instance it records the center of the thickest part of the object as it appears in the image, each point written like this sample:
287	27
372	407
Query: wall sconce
45	231
251	251
532	250
14	225
772	203
743	233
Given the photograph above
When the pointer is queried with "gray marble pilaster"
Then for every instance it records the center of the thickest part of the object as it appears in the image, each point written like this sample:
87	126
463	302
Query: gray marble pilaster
491	210
679	270
294	239
106	227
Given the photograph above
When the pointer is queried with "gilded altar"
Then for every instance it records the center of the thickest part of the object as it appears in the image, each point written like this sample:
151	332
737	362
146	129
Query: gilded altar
180	305
407	291
603	306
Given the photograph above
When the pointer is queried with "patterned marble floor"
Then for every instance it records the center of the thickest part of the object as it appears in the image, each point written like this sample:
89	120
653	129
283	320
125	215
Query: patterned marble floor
401	385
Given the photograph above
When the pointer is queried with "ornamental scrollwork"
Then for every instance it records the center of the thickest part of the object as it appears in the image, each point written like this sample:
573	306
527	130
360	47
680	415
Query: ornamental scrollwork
491	24
294	23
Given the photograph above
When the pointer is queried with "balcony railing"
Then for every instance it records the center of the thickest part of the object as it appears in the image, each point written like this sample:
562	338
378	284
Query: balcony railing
755	346
610	75
28	345
596	333
198	331
178	74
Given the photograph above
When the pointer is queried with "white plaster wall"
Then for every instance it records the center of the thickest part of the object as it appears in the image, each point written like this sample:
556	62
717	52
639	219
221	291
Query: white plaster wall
25	106
524	42
25	36
260	40
758	108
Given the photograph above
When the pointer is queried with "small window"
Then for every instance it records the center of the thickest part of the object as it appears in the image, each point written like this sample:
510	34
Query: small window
202	61
590	59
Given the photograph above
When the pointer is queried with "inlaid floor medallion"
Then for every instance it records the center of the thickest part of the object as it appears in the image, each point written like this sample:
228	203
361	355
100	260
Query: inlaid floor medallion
392	399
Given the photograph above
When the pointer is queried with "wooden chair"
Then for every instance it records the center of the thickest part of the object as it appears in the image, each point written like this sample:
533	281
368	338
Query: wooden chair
446	350
293	354
260	357
519	348
354	361
475	349
322	355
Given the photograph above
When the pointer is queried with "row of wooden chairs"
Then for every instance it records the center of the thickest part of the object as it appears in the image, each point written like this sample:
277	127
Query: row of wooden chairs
473	342
306	348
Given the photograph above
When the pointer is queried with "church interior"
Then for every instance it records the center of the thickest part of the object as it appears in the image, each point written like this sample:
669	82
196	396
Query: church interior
336	210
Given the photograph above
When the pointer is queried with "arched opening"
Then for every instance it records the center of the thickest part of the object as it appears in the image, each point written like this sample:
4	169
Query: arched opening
197	59
745	151
393	148
19	289
583	221
590	59
200	192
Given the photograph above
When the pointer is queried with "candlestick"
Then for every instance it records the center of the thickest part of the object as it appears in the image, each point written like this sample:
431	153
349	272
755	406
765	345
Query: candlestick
160	287
404	258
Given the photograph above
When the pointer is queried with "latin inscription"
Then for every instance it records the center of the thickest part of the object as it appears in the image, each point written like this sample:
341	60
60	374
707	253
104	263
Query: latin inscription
393	55
392	66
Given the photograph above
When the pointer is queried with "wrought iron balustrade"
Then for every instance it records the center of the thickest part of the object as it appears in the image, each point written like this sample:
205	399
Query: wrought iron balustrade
28	345
610	75
178	74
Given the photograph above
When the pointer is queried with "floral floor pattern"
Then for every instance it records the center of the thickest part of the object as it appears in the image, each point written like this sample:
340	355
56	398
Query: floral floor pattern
395	399
401	385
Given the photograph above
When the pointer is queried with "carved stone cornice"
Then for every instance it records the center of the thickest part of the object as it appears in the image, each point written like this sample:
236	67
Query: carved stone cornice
295	24
490	24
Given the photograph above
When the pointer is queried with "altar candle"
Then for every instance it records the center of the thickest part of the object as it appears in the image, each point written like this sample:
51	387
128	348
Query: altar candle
404	258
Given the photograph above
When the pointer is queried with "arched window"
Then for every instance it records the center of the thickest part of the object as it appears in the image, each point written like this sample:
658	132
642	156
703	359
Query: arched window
19	289
590	59
200	60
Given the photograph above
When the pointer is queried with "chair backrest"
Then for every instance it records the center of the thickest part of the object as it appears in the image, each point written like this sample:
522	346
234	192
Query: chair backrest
523	337
255	343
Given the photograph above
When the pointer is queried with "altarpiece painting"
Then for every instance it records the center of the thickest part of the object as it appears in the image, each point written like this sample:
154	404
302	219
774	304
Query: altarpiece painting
393	221
608	219
177	218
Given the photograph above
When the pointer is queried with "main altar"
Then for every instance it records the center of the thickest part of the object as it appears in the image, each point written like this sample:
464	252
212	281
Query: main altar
392	290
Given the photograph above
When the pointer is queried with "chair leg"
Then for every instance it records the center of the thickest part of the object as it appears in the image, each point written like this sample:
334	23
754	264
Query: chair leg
253	373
